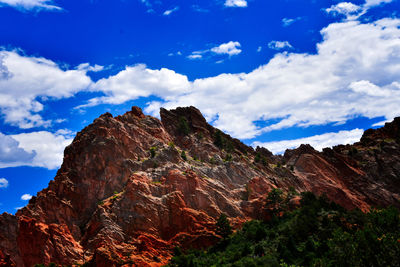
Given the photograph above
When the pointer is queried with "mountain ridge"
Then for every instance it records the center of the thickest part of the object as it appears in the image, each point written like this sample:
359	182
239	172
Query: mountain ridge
132	187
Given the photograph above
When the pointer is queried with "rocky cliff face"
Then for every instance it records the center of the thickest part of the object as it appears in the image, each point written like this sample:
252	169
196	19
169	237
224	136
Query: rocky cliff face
133	187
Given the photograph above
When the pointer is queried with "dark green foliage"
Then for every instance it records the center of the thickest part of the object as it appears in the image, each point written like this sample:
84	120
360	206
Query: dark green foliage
183	155
222	143
153	150
260	159
219	141
319	233
275	201
229	146
275	196
212	160
264	161
223	228
228	157
183	126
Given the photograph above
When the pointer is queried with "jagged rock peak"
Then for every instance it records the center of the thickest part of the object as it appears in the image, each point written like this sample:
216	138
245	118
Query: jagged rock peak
390	131
132	187
172	119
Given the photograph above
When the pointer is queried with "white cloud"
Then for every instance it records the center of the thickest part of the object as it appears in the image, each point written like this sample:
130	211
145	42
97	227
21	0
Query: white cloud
26	197
368	88
49	147
170	11
230	48
179	53
372	3
333	85
352	11
37	149
24	81
3	183
318	141
259	49
288	21
31	4
87	67
236	3
344	8
380	123
279	45
11	152
355	72
194	56
139	81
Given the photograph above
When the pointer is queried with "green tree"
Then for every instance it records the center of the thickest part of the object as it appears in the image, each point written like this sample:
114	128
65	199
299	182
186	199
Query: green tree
183	126
218	139
274	201
153	150
223	227
183	155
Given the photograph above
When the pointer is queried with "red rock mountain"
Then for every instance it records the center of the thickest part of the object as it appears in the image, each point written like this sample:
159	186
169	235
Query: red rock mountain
125	195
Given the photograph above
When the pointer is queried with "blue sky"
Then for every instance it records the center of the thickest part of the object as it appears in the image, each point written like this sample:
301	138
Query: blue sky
271	73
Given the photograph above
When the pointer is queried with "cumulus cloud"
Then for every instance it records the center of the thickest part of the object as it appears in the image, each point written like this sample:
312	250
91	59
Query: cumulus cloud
87	67
317	141
26	197
352	11
36	149
11	152
236	3
25	80
170	11
355	72
49	147
344	8
3	183
139	81
231	48
279	45
31	4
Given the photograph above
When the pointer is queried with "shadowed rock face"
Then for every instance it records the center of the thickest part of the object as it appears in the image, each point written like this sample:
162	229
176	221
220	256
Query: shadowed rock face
125	195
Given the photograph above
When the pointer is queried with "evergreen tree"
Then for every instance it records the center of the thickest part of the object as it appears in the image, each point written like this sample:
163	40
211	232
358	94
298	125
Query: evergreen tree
223	228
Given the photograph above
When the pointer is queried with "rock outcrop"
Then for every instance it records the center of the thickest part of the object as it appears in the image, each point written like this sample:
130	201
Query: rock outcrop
132	187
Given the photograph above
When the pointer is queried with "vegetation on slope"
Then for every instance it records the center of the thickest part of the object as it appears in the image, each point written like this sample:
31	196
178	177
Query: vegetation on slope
318	233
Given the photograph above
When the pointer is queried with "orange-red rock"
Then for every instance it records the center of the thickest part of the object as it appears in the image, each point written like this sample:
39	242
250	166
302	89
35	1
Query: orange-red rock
113	204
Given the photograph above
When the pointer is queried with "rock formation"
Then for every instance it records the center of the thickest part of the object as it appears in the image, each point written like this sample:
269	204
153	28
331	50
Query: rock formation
132	187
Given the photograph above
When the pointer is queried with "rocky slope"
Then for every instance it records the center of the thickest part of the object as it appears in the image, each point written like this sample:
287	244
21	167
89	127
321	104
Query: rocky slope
132	187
